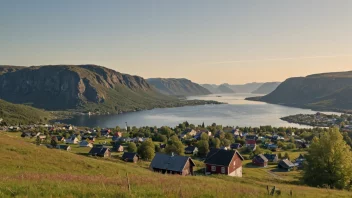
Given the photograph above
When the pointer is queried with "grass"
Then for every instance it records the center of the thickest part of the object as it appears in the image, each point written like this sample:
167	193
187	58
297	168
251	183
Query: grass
28	170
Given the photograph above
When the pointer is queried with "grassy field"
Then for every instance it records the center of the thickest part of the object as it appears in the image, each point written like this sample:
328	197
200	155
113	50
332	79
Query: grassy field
28	170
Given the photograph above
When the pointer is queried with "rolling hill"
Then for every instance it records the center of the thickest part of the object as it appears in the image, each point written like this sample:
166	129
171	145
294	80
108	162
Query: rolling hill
328	91
14	114
225	89
82	88
36	171
267	88
177	87
245	88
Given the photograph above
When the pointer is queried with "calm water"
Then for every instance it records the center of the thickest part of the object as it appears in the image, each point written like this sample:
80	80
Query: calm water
238	112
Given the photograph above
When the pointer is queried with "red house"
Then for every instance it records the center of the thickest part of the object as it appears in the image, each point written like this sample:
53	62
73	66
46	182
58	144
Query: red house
251	144
227	162
260	160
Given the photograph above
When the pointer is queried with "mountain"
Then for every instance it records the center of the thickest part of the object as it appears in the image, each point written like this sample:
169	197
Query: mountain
267	88
9	68
82	88
225	89
14	114
328	91
177	87
245	88
212	88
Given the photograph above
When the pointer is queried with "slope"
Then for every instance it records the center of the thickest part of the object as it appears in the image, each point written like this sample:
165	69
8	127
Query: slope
177	86
267	88
329	91
82	88
14	114
225	89
35	171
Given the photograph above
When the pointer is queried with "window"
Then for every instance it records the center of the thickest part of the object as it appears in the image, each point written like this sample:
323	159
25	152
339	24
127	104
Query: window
222	169
213	168
234	163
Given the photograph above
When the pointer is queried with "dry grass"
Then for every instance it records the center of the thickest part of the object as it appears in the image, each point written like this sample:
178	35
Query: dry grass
35	171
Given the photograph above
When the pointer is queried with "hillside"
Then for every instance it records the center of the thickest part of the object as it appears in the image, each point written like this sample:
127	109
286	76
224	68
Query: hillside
245	88
35	171
212	88
8	68
225	89
329	91
14	114
177	87
267	88
82	88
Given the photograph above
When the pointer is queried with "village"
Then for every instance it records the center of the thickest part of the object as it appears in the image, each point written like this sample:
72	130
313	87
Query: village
343	121
184	150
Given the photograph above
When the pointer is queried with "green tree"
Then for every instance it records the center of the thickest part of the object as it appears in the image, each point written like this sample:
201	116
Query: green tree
54	142
216	142
287	156
131	147
174	145
147	150
37	141
204	136
328	162
203	147
279	155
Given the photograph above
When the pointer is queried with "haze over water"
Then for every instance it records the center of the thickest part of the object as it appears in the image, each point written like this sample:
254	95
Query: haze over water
238	112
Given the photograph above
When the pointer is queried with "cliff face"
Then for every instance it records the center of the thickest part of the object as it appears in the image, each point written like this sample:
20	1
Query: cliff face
332	91
62	87
179	87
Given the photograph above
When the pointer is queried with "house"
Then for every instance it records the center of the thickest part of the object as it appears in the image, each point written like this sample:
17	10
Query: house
117	147
286	165
100	152
191	150
172	164
236	146
251	137
199	134
26	135
118	134
63	147
260	160
115	138
42	137
251	144
272	147
72	140
130	157
228	162
85	143
105	132
68	127
299	162
272	157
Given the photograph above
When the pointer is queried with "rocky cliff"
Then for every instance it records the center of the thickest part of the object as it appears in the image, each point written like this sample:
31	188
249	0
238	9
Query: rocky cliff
177	87
85	87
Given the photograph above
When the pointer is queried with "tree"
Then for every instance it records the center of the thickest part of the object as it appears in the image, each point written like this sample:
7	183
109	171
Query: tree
328	162
203	126
203	147
204	136
147	150
287	156
174	145
53	142
37	141
131	147
279	155
215	142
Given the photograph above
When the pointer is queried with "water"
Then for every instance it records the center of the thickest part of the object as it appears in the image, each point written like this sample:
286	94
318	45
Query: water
238	112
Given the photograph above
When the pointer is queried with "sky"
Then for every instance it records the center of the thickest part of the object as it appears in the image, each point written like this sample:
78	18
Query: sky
205	41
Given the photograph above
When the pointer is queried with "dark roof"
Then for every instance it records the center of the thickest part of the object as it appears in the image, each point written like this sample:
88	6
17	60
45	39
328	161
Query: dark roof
172	163
221	157
128	155
98	151
270	156
190	148
63	147
236	146
261	158
286	163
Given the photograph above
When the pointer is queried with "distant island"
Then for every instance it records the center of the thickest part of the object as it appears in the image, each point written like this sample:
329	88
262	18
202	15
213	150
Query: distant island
322	92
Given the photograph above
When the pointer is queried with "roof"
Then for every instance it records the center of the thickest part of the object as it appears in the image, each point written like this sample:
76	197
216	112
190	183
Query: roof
64	147
250	142
190	148
129	155
261	158
98	151
286	163
221	157
236	145
270	156
167	162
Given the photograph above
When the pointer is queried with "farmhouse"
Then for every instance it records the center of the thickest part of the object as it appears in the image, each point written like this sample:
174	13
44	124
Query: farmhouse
85	143
272	157
260	160
286	165
228	162
174	164
72	140
130	157
100	151
117	147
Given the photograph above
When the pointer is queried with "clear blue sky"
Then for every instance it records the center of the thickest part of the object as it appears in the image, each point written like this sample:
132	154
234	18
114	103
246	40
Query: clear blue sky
205	41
